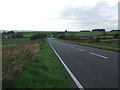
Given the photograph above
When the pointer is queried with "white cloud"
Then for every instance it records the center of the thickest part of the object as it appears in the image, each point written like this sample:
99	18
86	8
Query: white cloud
102	15
44	14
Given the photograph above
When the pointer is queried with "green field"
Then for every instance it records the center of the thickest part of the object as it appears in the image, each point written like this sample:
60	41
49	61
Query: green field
111	40
113	43
29	34
13	41
84	33
113	32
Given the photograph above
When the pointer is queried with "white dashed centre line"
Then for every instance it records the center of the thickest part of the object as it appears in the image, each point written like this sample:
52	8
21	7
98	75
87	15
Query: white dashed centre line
71	47
80	49
99	55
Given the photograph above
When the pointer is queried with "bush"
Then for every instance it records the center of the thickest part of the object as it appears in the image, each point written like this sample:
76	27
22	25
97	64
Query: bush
38	36
17	35
103	30
61	36
90	39
85	31
97	39
116	35
10	32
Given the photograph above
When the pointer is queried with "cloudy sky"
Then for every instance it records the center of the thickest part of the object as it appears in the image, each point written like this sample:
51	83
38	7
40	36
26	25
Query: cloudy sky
58	15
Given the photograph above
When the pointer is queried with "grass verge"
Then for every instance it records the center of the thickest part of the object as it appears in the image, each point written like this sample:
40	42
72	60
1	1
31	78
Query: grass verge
43	71
13	57
93	45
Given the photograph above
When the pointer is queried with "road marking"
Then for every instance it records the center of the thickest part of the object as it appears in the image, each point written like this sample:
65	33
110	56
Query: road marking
71	47
99	55
68	70
80	49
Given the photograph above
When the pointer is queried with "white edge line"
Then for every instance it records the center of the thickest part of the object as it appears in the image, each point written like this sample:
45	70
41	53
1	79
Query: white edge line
98	55
68	70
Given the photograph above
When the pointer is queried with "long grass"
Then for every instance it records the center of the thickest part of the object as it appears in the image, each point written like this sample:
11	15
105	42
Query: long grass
13	57
43	71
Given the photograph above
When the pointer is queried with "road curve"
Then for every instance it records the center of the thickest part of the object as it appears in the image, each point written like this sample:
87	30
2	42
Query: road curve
93	68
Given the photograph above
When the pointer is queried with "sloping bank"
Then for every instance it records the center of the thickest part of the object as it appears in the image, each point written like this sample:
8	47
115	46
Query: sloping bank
43	71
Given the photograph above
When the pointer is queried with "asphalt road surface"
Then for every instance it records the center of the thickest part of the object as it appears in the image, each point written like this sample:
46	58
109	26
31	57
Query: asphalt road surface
93	68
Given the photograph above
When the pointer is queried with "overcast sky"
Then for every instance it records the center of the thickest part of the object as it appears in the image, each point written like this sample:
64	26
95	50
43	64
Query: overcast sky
58	15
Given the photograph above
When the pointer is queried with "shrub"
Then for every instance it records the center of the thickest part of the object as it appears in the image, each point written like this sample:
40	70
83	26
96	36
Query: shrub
61	36
116	35
66	31
90	39
97	39
17	35
10	32
99	30
38	36
85	31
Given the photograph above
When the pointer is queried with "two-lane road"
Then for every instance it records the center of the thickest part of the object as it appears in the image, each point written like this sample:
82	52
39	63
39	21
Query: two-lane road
93	68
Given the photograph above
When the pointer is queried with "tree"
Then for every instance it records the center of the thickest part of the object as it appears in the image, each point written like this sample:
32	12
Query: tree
112	30
4	32
17	35
10	32
115	30
104	33
61	36
38	36
66	31
103	30
85	31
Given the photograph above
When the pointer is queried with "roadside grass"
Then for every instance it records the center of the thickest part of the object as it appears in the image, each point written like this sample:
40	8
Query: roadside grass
13	41
43	71
13	58
100	45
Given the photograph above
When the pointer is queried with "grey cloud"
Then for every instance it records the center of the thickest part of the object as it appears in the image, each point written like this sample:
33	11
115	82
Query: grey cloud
119	15
101	16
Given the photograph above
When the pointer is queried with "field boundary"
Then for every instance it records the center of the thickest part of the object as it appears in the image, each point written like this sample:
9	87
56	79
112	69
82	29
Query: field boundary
68	70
